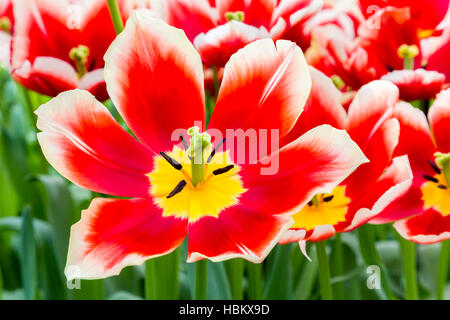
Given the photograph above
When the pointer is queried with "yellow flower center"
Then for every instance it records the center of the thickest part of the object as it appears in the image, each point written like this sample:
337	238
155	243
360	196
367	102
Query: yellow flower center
219	190
325	209
436	194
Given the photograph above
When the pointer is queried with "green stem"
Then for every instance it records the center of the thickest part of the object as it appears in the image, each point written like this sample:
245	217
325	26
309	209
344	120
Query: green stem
324	271
1	284
235	272
408	250
151	290
442	269
338	265
115	16
366	238
255	281
201	270
161	277
89	290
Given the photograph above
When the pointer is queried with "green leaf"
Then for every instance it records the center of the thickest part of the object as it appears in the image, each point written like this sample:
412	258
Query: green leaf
44	241
59	211
308	278
279	280
28	255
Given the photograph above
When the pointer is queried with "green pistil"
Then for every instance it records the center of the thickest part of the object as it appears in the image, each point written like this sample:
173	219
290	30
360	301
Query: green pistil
237	16
408	53
80	55
338	82
443	162
199	142
5	24
315	201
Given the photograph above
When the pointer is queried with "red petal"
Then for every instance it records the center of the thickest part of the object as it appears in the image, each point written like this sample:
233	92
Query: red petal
416	84
379	151
436	52
439	117
323	107
415	137
314	163
256	12
73	140
94	83
193	16
218	44
426	228
238	232
371	107
155	78
113	234
263	91
396	180
46	75
427	13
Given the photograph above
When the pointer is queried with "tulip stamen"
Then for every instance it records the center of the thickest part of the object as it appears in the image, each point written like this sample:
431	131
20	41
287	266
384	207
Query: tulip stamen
237	16
178	188
185	144
223	170
430	178
434	167
174	163
213	153
80	55
5	24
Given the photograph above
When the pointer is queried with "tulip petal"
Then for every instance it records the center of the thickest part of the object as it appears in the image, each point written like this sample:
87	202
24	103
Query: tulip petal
439	117
263	91
47	75
115	233
73	140
371	107
314	163
426	228
238	232
256	12
218	44
154	76
416	84
415	137
394	183
323	107
193	16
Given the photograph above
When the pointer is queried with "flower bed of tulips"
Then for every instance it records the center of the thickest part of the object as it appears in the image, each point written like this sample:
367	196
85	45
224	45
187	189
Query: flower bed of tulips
224	149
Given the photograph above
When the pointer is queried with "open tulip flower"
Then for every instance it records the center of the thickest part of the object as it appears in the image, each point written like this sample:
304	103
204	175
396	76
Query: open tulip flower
218	28
180	181
371	187
59	45
378	52
424	211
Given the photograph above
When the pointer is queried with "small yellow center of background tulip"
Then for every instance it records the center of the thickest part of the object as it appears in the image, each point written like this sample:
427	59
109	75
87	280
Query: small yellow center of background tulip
177	192
436	194
324	209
